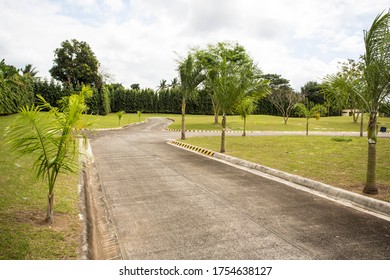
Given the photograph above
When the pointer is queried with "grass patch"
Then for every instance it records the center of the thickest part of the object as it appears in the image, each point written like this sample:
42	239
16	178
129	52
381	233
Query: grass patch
273	123
23	235
340	163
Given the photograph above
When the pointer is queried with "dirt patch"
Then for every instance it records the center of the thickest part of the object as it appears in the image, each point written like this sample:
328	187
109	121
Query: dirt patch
384	191
36	218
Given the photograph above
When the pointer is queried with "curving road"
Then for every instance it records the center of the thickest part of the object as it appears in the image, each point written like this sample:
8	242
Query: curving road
167	203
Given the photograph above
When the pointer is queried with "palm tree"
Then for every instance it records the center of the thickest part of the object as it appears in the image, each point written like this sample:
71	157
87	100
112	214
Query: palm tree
377	79
372	86
51	138
245	108
190	74
28	69
234	82
310	111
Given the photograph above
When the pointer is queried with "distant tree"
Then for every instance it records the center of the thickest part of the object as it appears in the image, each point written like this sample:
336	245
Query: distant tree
28	69
309	111
76	64
135	87
312	91
284	99
163	85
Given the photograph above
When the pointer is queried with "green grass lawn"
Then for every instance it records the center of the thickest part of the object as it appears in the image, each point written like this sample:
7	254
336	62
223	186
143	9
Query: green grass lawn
23	200
338	161
273	123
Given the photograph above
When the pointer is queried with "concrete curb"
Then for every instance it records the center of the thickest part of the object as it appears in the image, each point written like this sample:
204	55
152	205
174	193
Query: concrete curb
368	203
193	148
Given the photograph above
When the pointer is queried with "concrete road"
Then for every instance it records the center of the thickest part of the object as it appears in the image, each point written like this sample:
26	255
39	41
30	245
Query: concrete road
168	203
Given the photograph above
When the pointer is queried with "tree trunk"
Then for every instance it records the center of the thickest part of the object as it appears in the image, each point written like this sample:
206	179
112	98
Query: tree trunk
361	124
285	118
307	127
50	208
355	116
183	116
223	133
244	132
370	186
216	121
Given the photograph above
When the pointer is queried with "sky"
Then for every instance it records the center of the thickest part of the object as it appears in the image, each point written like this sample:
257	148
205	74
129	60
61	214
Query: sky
140	41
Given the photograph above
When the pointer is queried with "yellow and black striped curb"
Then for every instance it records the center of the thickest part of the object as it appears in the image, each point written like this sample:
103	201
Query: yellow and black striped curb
193	148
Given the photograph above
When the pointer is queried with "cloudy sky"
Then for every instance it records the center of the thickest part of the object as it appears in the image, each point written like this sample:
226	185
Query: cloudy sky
138	41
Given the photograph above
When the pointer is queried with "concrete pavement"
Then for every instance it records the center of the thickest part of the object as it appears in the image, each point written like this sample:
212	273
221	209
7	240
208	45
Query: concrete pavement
166	203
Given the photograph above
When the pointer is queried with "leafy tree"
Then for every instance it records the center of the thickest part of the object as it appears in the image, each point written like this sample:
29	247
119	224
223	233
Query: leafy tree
51	138
312	91
190	74
245	108
310	111
76	64
372	86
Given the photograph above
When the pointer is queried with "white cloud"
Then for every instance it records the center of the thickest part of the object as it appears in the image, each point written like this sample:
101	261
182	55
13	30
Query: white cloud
136	40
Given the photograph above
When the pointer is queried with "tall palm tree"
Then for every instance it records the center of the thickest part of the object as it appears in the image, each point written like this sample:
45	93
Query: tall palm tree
51	138
372	86
377	80
234	82
190	74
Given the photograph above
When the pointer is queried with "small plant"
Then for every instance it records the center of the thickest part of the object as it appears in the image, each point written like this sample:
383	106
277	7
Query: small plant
52	138
120	115
139	114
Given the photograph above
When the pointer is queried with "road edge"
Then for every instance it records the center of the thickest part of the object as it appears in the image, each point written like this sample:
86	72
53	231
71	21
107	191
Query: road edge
337	194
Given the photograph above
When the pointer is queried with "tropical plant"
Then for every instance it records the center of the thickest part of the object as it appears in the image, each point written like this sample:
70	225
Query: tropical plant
309	111
246	107
372	86
30	70
139	114
120	115
190	74
51	138
232	77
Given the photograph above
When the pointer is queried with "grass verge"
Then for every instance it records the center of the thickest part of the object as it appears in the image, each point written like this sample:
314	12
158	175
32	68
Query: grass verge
273	123
23	200
338	161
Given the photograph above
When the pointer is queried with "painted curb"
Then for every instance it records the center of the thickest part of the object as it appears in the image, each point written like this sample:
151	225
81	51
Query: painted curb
193	148
368	203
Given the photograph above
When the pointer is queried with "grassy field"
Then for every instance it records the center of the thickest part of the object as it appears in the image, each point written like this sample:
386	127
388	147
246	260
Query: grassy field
272	123
23	235
338	161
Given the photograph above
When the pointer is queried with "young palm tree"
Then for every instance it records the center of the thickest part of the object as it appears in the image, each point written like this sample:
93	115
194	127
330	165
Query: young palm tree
51	138
233	83
309	112
245	108
190	74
